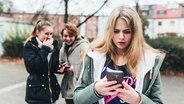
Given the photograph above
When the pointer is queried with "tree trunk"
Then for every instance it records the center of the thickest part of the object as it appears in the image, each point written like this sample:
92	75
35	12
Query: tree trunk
66	11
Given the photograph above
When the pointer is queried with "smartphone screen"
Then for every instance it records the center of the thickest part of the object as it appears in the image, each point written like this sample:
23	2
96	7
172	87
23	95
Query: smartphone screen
115	75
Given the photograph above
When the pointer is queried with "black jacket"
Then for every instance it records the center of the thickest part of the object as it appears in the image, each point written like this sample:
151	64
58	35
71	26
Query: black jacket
42	86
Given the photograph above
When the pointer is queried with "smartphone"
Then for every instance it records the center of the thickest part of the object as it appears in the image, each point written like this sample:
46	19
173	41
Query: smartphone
65	65
61	65
115	75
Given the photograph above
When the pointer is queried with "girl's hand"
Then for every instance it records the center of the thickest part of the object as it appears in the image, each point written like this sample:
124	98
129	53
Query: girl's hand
104	87
48	42
61	68
128	94
70	68
64	67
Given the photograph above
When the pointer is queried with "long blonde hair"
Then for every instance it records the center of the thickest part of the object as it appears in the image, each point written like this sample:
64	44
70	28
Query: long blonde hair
38	27
104	43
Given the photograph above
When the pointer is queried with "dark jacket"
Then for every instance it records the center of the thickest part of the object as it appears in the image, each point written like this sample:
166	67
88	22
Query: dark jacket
42	86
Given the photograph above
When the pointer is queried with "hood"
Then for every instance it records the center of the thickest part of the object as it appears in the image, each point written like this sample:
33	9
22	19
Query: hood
76	44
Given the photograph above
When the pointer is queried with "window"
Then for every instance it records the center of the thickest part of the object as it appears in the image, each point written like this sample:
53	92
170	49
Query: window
161	12
159	23
172	22
145	13
160	34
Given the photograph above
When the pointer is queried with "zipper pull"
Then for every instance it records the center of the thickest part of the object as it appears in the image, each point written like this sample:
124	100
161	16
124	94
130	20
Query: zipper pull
150	74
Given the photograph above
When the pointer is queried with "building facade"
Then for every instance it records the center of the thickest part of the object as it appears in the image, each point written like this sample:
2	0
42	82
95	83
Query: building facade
164	20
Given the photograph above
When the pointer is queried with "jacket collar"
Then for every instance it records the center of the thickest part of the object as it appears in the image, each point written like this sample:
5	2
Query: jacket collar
74	45
39	42
98	61
33	41
145	65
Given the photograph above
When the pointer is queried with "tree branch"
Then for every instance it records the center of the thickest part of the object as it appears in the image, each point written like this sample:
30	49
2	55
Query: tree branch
66	11
39	12
92	14
57	10
180	4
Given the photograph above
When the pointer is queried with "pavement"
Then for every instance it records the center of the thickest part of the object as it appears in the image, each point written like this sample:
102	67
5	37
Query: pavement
12	83
13	77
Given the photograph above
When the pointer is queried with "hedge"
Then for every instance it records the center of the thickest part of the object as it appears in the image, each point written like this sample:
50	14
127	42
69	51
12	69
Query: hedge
174	48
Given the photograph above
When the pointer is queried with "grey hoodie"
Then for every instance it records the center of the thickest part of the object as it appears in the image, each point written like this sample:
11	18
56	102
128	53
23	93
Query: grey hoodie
74	58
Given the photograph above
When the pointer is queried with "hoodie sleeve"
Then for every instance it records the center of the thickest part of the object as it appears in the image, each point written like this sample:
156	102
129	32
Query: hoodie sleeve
84	91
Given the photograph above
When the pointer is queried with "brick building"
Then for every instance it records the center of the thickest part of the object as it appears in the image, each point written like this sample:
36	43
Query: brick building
90	28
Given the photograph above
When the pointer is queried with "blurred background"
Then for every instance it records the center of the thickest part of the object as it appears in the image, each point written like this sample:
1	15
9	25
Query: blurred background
163	22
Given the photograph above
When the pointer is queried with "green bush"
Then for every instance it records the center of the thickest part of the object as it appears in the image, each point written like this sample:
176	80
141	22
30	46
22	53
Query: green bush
13	43
13	46
174	48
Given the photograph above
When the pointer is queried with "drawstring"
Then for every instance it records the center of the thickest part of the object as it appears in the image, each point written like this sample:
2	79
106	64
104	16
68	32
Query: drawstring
150	74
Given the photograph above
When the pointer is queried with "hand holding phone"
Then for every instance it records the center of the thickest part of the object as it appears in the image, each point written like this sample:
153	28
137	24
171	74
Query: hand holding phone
115	75
65	66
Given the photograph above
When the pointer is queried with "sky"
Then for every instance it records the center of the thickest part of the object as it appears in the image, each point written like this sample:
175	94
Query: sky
78	6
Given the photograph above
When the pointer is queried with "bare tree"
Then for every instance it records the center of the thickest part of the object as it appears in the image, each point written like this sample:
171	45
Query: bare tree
143	18
180	4
66	12
92	14
6	7
137	5
43	13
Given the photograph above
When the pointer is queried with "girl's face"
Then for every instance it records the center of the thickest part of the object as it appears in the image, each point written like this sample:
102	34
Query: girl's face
68	39
45	34
122	35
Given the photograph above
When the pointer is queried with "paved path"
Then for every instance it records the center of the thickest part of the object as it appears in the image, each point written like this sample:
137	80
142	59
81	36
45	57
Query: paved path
13	76
12	84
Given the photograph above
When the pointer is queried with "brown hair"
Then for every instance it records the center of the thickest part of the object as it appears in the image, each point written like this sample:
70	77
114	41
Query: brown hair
71	29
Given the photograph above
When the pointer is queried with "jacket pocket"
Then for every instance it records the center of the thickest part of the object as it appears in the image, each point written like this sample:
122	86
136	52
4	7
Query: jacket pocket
37	92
